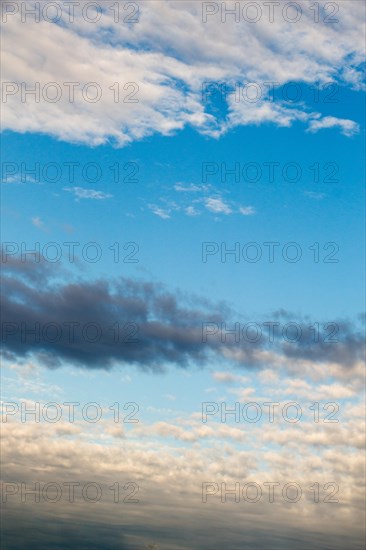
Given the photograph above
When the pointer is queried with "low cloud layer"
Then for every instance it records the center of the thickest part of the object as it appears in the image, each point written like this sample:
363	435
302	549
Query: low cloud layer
102	323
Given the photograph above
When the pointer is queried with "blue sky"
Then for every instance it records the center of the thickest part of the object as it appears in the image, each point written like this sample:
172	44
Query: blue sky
173	150
303	211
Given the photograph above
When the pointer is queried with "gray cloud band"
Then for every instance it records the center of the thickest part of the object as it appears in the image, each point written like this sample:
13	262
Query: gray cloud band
102	323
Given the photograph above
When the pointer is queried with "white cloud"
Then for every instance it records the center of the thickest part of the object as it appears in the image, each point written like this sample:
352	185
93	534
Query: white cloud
315	195
176	446
229	378
190	188
170	397
37	222
191	211
348	127
247	210
217	205
174	53
161	212
81	193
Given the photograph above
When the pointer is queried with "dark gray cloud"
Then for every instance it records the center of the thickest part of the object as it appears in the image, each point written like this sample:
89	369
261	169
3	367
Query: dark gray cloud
101	323
339	342
34	531
61	528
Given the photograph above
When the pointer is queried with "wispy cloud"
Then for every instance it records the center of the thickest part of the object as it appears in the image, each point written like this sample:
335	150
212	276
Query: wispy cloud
37	222
191	211
348	127
217	205
229	378
207	199
161	212
81	193
191	188
315	195
247	210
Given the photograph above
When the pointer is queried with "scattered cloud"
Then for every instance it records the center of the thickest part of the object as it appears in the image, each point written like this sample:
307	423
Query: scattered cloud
190	188
68	228
191	211
37	222
247	210
217	206
315	195
229	378
315	452
170	397
81	193
203	202
161	212
348	127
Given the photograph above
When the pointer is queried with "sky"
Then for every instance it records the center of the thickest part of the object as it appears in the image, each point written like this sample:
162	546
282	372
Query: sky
183	268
